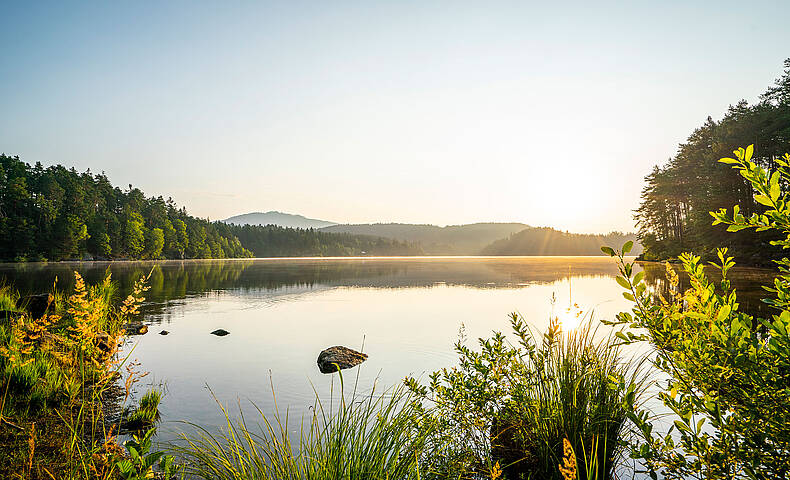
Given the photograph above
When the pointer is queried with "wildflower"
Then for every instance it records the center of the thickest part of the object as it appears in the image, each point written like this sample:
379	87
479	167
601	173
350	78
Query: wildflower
496	471
568	467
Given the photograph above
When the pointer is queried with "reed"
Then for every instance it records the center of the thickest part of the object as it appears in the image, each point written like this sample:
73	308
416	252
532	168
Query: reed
366	438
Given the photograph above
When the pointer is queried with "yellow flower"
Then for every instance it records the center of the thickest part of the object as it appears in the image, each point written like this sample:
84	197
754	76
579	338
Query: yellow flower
496	471
568	467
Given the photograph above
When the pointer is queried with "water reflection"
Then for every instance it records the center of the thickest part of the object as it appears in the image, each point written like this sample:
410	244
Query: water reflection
747	281
404	313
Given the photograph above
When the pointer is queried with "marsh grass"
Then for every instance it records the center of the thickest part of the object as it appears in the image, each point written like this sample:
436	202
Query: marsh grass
146	414
8	299
510	406
367	437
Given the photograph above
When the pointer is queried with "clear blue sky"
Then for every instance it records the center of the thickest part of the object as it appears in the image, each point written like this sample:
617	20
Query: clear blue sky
450	112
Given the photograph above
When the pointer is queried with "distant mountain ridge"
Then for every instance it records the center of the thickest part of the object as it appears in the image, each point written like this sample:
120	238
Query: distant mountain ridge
496	239
278	218
450	240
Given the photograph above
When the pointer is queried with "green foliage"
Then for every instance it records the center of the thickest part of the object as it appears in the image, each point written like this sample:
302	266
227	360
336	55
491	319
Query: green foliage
8	299
59	214
55	370
141	461
510	407
370	438
729	373
146	413
548	241
673	214
52	358
274	241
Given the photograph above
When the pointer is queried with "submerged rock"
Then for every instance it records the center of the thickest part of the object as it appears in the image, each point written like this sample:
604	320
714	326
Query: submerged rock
220	332
164	332
339	358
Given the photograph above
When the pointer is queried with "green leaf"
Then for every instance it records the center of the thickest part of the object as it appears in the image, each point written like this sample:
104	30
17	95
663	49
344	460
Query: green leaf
639	276
623	282
775	191
762	199
728	160
609	251
749	152
628	246
628	296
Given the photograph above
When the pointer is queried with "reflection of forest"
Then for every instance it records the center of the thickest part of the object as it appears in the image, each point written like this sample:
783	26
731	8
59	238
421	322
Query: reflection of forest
173	280
747	281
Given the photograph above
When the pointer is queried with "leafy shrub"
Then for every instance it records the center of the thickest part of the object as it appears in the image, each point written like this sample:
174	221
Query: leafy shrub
728	373
507	409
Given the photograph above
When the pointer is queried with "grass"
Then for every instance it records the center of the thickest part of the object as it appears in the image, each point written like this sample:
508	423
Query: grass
146	413
581	397
506	409
375	437
56	372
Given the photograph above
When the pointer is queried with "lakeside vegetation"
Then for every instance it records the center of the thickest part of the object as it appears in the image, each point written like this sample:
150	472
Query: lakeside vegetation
673	218
63	404
559	404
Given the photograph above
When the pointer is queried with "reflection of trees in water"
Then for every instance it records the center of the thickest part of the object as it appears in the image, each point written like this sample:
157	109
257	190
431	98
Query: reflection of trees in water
174	280
748	283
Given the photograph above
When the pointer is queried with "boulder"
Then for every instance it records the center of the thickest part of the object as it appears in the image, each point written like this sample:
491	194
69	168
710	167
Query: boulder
36	305
220	332
339	358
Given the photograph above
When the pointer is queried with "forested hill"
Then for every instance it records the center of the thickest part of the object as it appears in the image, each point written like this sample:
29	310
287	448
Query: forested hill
275	241
278	218
55	213
548	241
435	240
673	215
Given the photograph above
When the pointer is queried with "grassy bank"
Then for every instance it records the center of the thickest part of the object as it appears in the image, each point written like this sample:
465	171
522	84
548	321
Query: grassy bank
62	401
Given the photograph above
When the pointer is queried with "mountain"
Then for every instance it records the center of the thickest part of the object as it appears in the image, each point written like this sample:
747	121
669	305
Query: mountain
450	240
548	241
278	218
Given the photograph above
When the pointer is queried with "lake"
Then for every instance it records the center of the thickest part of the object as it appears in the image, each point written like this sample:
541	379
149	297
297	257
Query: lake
406	313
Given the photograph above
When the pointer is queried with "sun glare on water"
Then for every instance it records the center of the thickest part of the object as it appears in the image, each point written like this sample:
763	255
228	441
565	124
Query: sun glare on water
571	317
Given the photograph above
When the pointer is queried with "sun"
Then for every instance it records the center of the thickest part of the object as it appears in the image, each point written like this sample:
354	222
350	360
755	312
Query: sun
571	317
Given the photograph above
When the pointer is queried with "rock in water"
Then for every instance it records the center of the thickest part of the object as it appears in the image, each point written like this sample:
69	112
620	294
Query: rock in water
220	332
164	332
339	358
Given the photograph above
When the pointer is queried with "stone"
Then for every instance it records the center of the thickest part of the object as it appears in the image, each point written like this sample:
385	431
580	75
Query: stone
164	332
36	305
339	358
220	332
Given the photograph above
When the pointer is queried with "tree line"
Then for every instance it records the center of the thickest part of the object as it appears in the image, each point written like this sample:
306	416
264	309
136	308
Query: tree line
673	214
55	213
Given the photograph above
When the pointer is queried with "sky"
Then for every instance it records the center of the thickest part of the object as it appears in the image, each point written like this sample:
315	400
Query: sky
546	113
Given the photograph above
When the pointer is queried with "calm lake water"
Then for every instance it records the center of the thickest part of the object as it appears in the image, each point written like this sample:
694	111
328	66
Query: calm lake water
404	312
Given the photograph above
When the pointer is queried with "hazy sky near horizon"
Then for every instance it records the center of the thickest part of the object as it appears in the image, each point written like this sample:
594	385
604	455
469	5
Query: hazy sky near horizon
455	112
